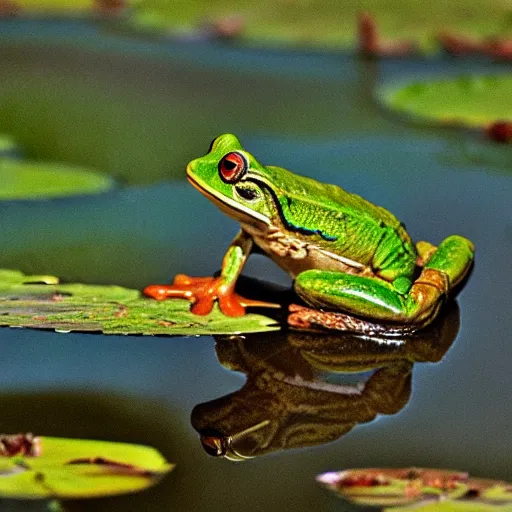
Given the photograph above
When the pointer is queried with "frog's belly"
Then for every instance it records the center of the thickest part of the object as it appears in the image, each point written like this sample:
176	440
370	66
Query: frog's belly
296	256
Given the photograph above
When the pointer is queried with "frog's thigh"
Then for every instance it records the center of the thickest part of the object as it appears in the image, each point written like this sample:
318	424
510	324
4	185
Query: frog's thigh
370	297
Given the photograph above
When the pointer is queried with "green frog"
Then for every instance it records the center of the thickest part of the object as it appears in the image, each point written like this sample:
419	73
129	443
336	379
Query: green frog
344	253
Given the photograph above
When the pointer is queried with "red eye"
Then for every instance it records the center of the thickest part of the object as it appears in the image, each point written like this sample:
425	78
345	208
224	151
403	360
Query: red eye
232	167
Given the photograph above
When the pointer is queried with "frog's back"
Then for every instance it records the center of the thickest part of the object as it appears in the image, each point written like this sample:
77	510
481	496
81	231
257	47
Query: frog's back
308	194
308	191
334	218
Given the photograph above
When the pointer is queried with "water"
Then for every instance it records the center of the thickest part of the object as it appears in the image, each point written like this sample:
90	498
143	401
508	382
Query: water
142	109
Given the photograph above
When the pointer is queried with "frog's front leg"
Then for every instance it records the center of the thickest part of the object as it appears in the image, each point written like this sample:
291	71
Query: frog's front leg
375	298
204	291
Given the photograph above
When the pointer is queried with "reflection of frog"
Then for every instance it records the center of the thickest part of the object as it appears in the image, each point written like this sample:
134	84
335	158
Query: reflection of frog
293	396
345	253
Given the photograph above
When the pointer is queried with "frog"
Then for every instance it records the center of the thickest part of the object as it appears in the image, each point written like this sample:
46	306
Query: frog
344	253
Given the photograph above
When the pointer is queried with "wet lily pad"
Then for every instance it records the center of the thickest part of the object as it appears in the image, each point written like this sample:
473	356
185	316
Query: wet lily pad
23	179
467	100
41	302
420	489
51	467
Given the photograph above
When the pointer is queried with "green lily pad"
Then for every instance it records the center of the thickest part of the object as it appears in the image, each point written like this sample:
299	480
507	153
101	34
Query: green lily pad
420	489
51	467
327	22
23	179
41	302
467	100
55	5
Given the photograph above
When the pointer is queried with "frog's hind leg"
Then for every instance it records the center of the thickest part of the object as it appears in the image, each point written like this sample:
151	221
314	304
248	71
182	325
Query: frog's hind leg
425	251
378	299
372	297
453	257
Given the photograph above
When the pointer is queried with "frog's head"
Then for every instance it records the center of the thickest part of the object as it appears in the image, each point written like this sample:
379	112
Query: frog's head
226	175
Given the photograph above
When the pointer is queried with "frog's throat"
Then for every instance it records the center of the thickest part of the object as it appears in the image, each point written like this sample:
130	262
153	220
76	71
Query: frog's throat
227	205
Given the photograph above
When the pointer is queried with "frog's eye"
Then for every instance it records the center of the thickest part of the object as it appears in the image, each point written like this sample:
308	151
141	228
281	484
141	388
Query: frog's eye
232	167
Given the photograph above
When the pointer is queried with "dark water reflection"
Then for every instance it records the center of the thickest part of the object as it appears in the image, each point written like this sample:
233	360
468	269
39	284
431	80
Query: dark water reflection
305	389
141	110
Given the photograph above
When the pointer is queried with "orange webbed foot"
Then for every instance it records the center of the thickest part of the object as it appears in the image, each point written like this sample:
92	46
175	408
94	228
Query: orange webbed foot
203	292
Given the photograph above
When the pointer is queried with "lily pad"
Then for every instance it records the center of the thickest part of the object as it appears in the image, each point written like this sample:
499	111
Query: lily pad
467	100
55	5
51	467
327	22
42	302
23	179
420	489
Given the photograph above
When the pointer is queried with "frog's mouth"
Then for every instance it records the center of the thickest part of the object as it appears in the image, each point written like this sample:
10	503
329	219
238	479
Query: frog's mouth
230	207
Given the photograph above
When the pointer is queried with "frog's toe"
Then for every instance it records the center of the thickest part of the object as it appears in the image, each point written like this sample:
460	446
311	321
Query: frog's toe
231	305
203	292
184	287
202	306
162	291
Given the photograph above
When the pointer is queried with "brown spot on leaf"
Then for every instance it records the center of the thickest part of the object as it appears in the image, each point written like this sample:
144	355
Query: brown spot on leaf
19	444
121	312
114	465
363	481
166	323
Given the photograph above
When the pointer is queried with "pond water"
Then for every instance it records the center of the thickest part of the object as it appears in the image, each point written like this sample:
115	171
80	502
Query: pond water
139	109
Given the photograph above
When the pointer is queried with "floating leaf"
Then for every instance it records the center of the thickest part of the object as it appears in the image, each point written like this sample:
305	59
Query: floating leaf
469	100
421	489
55	5
51	467
22	179
108	309
317	23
